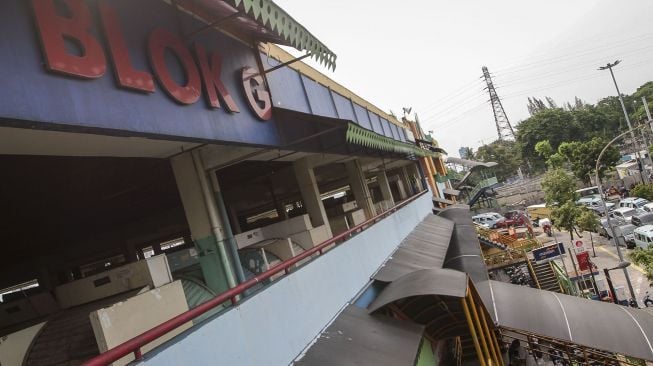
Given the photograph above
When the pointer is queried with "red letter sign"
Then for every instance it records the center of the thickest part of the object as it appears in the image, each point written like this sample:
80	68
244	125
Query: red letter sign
54	29
161	40
211	80
258	98
126	75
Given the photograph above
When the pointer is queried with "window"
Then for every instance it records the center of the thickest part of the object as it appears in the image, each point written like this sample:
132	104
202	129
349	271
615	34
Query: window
18	288
167	245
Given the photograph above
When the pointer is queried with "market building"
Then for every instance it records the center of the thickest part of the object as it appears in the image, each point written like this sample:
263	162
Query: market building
178	189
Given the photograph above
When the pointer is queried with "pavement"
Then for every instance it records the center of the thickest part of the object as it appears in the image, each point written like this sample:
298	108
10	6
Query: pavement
606	257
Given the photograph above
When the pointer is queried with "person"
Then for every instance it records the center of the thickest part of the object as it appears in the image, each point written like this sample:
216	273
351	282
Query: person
514	353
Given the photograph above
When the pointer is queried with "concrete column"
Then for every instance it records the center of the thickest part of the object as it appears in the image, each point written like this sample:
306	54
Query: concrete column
386	193
401	187
213	259
311	194
358	185
406	179
414	172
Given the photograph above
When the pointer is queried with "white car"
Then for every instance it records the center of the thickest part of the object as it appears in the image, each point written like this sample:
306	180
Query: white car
633	202
595	204
625	213
488	219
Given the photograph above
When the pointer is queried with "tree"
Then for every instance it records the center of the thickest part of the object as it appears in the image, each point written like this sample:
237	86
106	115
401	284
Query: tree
505	153
554	125
582	157
643	191
644	259
587	221
566	217
558	187
544	149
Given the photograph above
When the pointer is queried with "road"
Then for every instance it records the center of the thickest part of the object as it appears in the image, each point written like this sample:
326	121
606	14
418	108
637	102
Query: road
606	257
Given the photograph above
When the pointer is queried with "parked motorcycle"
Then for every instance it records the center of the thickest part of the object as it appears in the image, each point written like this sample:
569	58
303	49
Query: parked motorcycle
647	300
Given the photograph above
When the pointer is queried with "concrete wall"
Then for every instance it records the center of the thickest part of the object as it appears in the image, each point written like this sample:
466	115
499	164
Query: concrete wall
275	325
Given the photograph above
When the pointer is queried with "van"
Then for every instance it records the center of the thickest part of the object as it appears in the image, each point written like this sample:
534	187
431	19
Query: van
643	236
538	211
589	191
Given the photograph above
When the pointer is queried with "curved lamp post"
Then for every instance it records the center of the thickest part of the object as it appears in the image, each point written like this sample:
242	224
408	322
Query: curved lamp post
605	209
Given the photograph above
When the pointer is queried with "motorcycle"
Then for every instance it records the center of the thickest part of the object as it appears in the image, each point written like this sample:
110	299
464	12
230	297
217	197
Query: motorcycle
647	300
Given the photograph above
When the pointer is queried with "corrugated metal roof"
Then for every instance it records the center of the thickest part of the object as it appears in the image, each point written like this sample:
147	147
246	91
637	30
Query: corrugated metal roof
356	338
424	248
591	323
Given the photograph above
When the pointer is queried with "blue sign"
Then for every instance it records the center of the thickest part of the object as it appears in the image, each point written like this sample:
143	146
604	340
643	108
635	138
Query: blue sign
548	252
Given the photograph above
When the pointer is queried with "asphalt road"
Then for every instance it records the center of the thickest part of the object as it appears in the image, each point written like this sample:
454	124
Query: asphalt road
606	257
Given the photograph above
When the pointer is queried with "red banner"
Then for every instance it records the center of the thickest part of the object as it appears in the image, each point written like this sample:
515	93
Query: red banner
583	261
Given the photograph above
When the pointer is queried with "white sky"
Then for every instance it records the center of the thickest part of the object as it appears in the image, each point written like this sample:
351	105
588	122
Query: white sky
428	55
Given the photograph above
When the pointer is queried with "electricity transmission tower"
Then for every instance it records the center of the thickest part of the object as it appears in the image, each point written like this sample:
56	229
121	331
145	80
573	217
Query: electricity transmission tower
504	128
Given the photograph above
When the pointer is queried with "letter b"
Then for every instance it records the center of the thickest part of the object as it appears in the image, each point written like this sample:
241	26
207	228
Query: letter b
54	29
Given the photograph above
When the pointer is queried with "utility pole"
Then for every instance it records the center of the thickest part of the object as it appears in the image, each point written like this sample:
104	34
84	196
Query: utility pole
609	66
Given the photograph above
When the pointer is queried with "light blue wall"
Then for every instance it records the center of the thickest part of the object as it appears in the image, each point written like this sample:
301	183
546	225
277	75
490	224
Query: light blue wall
274	326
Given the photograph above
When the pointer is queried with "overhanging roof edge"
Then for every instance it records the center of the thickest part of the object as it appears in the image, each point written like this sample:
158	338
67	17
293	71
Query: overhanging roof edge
274	18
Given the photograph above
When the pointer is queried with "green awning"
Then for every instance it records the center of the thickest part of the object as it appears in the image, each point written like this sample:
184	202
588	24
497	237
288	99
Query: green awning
272	17
364	137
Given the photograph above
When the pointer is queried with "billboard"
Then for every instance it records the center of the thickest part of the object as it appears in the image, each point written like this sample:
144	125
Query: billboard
548	252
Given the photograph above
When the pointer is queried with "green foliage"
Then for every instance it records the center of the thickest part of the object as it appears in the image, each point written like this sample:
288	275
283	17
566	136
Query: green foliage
644	259
582	157
643	191
559	188
556	161
566	216
505	154
544	149
588	221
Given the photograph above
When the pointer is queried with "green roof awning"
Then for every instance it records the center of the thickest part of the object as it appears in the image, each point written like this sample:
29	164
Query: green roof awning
273	17
364	137
258	21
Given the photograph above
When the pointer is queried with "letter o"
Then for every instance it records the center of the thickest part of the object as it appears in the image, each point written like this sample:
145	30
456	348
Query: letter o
159	41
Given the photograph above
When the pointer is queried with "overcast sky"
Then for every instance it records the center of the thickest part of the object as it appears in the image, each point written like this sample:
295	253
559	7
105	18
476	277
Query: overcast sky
428	55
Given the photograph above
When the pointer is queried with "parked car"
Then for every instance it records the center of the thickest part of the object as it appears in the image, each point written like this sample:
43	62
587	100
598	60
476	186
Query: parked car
488	219
633	202
648	207
513	218
604	230
642	219
595	204
625	213
643	236
625	236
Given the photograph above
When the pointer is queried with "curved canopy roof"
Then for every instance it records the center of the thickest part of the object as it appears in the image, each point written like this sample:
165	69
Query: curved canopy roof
470	163
587	322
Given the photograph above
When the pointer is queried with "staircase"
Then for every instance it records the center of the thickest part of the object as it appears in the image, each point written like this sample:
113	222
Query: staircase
66	340
544	276
480	189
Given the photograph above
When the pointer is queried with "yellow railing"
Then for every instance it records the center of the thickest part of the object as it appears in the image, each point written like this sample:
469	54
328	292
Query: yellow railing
507	240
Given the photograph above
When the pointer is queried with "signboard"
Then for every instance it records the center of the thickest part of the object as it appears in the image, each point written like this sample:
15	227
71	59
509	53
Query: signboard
579	247
548	252
583	261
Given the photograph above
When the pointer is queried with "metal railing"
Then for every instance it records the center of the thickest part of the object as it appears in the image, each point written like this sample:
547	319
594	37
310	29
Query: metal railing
481	185
135	344
564	281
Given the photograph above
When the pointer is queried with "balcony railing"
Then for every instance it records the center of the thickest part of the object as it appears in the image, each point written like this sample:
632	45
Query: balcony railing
233	295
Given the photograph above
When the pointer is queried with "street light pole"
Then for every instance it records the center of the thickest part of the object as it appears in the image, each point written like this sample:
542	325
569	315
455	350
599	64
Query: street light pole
605	208
609	66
